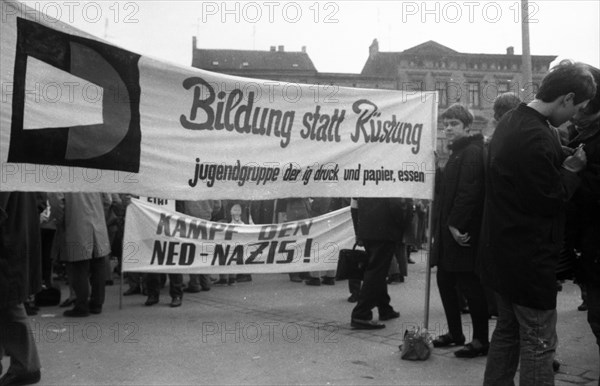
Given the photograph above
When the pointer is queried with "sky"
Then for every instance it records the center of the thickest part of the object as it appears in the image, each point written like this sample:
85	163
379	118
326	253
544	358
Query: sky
337	34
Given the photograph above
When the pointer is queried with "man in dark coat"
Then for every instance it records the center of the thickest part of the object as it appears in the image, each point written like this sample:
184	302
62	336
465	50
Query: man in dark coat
586	205
458	210
380	228
19	247
528	184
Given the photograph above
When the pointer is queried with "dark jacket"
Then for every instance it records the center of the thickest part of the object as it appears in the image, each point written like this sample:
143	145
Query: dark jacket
381	219
586	203
523	221
20	247
459	203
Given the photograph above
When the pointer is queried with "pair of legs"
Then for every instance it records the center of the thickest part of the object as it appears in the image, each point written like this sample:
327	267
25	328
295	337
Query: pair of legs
524	336
593	303
81	275
175	285
17	341
373	292
198	282
470	286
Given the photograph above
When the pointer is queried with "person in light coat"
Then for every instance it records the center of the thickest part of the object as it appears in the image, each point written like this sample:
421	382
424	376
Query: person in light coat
83	244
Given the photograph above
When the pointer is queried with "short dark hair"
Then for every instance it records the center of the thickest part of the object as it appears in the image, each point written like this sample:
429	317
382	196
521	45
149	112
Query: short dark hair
594	105
460	112
567	77
504	103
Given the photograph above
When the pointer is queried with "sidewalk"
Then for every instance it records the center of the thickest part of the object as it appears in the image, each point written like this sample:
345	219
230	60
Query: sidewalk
273	331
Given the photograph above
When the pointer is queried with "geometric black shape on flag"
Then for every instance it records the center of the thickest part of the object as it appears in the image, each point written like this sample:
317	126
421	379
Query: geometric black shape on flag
114	144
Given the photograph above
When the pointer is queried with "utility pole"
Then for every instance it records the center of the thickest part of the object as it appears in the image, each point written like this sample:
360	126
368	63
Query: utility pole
527	86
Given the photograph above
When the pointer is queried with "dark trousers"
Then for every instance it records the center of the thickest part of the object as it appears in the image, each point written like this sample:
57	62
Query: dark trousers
47	238
354	286
17	341
373	292
84	273
469	284
175	284
593	317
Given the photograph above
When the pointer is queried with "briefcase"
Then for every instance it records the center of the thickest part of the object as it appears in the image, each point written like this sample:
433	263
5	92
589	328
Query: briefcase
351	264
48	297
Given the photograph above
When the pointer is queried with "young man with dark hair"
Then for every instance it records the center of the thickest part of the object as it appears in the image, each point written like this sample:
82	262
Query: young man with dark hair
458	207
528	184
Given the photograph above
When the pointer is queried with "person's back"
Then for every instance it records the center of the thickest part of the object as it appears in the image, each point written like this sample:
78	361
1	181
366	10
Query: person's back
524	208
528	183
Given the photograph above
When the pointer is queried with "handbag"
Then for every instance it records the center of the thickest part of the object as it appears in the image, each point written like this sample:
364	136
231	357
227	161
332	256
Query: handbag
351	264
47	297
417	345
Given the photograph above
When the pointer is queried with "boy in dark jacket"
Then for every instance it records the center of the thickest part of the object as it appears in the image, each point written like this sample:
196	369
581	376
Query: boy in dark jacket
458	210
528	184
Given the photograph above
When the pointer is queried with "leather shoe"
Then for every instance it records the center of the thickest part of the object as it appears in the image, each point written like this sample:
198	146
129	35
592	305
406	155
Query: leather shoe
447	340
67	303
389	315
360	324
94	309
132	291
11	378
191	290
353	298
328	281
583	306
175	302
76	313
314	281
471	350
152	300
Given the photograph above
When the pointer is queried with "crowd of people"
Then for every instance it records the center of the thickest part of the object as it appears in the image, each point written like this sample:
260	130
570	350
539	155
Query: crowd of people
506	210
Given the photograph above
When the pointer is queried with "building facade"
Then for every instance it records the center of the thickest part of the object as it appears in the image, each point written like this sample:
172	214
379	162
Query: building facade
473	80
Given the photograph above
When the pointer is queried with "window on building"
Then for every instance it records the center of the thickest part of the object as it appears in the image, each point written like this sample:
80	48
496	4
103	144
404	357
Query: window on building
442	93
245	64
473	94
503	87
215	63
413	85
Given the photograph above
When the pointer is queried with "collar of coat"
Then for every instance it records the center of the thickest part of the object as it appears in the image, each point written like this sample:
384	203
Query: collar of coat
465	141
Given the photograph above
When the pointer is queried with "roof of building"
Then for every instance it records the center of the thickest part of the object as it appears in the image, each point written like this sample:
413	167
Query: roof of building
385	63
248	60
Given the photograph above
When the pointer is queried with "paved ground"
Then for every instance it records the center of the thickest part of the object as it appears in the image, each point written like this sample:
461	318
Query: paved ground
273	331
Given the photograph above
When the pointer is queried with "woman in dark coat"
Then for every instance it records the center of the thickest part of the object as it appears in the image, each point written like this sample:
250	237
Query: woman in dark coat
458	211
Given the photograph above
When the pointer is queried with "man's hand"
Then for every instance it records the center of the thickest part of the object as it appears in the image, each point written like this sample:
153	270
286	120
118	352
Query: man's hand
461	238
576	162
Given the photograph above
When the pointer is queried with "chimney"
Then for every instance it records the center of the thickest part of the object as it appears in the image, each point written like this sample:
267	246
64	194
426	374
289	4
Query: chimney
304	49
280	48
374	48
193	43
272	48
510	50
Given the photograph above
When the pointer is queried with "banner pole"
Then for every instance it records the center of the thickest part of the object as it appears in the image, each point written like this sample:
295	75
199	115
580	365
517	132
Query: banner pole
428	265
430	217
121	284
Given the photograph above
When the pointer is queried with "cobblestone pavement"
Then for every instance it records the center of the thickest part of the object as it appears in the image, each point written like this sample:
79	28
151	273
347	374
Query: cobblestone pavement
273	331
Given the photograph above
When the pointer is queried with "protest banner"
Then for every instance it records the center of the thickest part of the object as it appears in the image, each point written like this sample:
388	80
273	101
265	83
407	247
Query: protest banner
159	240
80	114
